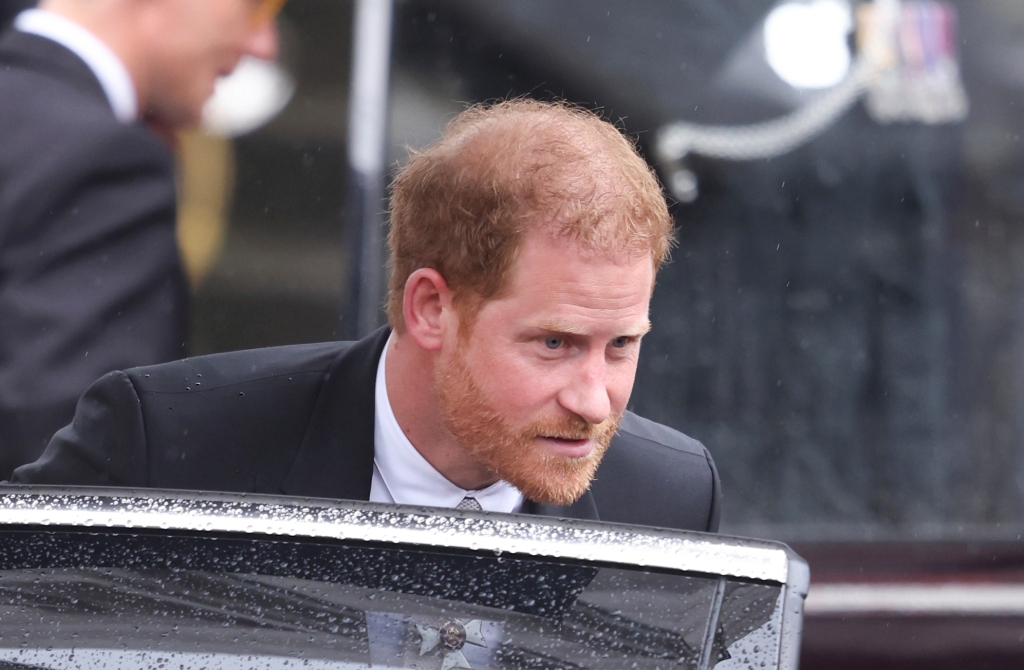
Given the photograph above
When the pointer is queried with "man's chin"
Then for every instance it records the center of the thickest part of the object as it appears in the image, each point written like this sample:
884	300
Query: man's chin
553	493
555	479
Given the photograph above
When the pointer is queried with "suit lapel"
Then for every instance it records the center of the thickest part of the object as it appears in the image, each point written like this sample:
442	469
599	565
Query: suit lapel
335	459
584	508
40	54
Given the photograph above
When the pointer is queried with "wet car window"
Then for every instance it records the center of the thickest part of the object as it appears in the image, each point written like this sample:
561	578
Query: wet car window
72	599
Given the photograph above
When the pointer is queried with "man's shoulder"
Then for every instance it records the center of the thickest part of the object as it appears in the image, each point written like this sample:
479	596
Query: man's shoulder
35	71
55	133
52	104
637	430
212	372
47	119
656	476
224	422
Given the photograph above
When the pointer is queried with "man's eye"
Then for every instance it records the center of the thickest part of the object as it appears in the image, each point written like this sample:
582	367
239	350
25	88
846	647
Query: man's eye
620	342
552	342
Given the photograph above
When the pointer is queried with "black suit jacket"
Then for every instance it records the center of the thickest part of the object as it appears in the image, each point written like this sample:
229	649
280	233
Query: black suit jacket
299	420
9	9
90	279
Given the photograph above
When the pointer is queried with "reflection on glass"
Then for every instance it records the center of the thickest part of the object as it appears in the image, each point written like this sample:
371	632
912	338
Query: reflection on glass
118	601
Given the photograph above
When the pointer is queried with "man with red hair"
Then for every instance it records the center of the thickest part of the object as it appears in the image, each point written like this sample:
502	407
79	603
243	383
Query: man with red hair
524	246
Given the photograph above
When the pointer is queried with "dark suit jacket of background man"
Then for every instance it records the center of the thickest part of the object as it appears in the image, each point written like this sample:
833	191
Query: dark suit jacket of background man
300	420
90	279
11	8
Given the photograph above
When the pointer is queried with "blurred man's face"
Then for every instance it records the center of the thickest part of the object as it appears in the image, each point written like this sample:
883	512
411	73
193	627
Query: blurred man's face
197	41
534	391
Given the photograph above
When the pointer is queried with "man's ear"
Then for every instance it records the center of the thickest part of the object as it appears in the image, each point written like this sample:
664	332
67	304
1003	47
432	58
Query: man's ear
427	307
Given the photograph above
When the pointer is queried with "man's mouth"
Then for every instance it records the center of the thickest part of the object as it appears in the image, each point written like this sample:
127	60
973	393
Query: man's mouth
569	447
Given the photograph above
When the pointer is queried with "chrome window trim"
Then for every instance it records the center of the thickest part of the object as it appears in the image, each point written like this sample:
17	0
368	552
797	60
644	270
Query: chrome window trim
347	520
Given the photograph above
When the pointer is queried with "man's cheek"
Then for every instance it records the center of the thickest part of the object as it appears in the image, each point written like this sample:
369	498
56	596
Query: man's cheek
523	391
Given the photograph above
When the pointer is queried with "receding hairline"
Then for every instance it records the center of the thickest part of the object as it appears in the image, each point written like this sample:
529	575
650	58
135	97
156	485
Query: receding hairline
478	129
584	153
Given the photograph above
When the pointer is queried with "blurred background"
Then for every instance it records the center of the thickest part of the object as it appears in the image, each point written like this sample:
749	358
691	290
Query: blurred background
842	323
842	320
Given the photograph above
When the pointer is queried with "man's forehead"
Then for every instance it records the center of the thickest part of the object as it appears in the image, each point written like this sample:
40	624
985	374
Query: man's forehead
543	244
546	230
562	286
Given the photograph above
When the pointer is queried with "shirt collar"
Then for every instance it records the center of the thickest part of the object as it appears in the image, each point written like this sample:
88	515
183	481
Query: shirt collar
409	478
105	65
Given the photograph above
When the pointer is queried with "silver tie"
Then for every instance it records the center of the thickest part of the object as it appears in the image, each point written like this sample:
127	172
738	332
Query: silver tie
469	503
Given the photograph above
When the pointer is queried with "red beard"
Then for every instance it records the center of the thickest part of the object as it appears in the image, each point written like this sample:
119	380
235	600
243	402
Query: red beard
515	454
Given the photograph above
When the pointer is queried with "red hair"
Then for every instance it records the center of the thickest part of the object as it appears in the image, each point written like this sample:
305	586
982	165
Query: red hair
462	205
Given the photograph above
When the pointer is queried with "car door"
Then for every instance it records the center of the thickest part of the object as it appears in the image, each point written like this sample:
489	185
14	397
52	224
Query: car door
108	579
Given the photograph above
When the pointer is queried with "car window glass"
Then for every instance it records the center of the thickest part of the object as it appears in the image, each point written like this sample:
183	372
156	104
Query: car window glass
72	599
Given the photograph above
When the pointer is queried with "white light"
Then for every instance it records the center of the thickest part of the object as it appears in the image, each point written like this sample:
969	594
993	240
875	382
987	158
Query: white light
684	185
805	42
249	97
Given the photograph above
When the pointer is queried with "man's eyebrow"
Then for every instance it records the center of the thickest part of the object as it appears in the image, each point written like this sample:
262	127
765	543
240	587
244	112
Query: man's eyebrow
644	328
558	326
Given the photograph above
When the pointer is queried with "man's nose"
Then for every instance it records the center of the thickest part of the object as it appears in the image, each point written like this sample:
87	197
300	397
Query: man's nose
587	393
262	43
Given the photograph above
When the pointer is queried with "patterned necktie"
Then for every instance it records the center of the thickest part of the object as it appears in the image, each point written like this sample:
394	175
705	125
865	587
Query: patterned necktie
469	503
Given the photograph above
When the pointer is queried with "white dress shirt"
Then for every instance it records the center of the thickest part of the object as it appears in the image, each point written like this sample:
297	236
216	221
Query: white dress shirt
401	475
107	67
